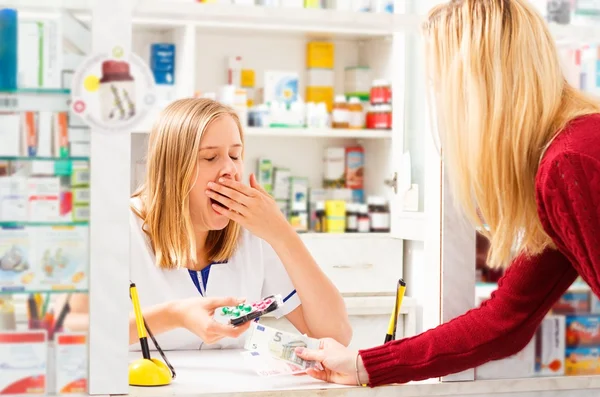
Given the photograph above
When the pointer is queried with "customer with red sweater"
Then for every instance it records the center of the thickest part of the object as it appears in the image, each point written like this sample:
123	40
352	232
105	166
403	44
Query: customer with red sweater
522	146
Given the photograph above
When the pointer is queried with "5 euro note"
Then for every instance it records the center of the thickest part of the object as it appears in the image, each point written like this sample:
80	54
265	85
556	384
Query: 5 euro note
280	344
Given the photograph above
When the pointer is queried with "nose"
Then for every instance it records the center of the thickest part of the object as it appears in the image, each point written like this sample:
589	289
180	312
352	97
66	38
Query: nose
228	169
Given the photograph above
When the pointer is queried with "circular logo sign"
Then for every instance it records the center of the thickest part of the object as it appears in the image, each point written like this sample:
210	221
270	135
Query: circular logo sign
113	92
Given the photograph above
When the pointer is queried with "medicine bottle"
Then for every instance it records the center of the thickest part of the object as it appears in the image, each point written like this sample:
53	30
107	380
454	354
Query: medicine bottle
364	225
356	119
340	115
351	218
379	214
381	92
320	217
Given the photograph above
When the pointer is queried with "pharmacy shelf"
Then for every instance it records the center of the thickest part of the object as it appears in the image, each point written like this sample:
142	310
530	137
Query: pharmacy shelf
318	133
484	290
35	100
13	291
25	158
347	236
164	13
576	34
13	224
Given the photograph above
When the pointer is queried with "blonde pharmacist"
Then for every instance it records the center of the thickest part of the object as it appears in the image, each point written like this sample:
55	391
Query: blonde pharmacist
522	146
200	239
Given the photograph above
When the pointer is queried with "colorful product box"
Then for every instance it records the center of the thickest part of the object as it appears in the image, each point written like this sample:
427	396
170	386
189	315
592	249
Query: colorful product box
299	194
320	54
573	302
281	87
281	183
71	363
335	216
335	167
24	361
16	262
62	254
582	361
265	174
550	347
355	163
583	330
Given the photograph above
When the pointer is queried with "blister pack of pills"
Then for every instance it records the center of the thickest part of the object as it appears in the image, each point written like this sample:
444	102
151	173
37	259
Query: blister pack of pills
243	313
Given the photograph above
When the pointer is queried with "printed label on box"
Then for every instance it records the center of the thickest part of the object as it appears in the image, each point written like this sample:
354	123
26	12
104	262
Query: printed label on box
16	273
71	363
62	253
583	330
23	360
582	361
550	347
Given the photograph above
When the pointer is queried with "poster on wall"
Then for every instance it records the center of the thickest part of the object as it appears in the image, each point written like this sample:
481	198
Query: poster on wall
113	92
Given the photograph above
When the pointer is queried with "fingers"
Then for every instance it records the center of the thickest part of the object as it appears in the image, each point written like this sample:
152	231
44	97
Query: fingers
237	186
254	183
314	373
229	191
214	303
216	331
234	216
310	355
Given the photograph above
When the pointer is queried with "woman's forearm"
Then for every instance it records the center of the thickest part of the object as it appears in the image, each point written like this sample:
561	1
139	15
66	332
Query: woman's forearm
159	318
314	288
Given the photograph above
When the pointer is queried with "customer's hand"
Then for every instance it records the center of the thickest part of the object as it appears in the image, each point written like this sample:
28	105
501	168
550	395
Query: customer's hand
196	315
250	206
338	362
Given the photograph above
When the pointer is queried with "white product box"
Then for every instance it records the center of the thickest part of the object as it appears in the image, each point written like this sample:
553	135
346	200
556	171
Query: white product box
16	260
24	362
335	163
45	139
71	361
550	347
320	78
281	87
40	54
13	199
10	135
43	198
281	183
521	365
269	3
62	254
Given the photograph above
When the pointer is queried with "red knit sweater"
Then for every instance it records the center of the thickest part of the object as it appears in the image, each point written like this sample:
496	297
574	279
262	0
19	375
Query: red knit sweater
568	199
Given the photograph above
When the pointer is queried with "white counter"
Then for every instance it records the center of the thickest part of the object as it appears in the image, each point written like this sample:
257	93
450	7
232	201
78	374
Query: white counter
223	373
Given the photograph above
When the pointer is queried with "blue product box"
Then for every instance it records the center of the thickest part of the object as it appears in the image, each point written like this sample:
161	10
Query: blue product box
162	63
358	196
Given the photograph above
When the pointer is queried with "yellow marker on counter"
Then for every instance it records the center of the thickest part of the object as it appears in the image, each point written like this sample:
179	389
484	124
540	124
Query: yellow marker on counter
145	371
400	291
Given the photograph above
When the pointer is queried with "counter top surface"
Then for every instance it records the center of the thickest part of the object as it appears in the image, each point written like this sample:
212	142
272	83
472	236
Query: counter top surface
224	373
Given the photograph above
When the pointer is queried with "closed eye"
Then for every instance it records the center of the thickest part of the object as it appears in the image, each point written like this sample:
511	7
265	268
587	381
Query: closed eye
234	158
211	159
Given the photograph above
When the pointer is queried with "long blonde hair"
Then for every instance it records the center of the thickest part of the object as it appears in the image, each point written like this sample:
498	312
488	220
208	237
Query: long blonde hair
172	163
501	98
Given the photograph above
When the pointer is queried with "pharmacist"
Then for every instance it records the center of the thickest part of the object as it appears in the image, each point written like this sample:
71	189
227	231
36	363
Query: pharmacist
521	145
201	240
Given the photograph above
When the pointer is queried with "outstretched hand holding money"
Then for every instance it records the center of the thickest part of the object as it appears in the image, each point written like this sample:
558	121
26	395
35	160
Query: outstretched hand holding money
338	362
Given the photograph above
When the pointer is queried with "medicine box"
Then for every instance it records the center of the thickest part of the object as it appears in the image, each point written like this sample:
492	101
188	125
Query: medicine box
594	304
573	302
248	78
320	54
355	161
582	361
299	193
24	363
10	127
320	78
582	330
265	174
335	216
281	87
40	54
357	82
17	272
13	199
162	63
320	95
71	359
335	167
281	183
43	198
550	347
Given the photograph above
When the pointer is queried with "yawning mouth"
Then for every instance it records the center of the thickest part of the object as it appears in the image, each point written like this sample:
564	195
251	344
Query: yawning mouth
213	201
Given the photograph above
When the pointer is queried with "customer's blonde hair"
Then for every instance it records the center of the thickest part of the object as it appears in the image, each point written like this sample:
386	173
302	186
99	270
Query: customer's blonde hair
172	164
501	98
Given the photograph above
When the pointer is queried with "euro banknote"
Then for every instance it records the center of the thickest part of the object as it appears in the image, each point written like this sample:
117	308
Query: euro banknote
267	366
280	344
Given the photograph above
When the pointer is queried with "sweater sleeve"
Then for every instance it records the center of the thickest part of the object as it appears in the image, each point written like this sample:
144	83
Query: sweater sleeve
500	327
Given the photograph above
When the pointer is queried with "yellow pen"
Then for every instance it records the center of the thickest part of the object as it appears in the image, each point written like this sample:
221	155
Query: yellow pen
38	304
400	290
139	321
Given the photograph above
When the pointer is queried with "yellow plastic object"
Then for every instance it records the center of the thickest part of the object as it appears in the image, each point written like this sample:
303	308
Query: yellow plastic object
153	372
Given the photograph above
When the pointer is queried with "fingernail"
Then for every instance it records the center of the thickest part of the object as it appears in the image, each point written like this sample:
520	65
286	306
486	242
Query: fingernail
299	350
208	192
210	184
221	180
